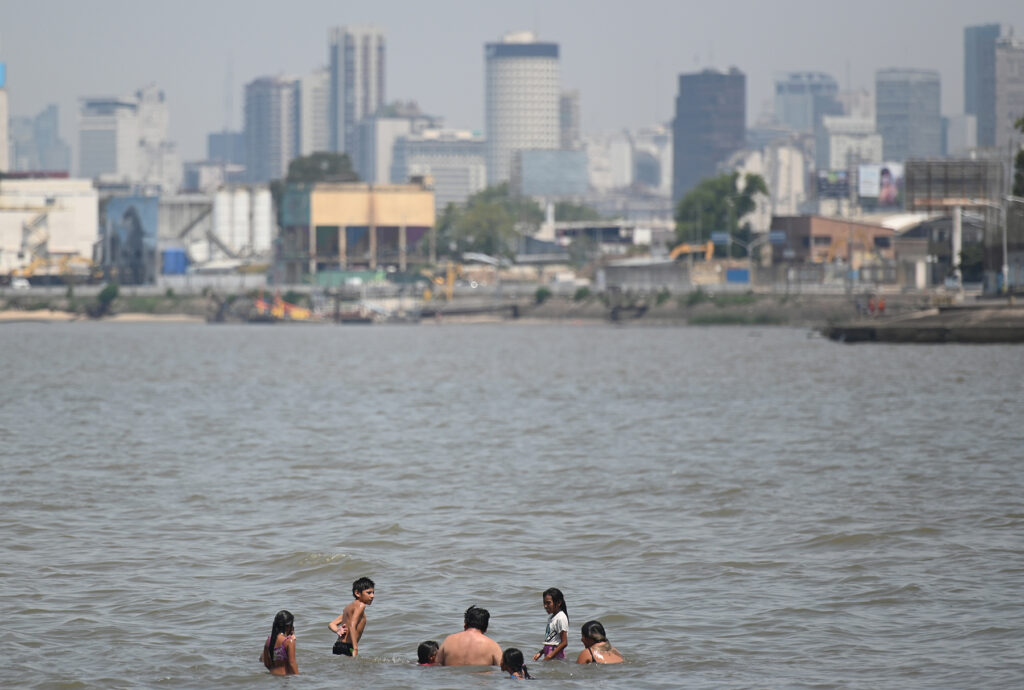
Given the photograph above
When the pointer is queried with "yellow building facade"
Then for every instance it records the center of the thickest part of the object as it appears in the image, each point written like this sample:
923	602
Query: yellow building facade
359	224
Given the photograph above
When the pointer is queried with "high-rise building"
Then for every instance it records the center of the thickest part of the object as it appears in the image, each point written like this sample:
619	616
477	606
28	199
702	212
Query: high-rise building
108	138
803	98
569	120
271	127
36	143
710	125
960	135
980	79
357	62
453	159
125	140
521	105
1009	93
377	136
843	142
314	112
226	147
907	113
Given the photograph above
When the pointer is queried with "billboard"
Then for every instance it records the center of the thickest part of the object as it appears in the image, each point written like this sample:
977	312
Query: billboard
833	184
882	183
129	239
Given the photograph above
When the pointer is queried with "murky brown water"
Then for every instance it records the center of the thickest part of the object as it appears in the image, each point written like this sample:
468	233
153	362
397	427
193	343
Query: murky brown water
740	507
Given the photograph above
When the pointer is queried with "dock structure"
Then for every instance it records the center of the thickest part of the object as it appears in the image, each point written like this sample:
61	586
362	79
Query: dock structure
954	324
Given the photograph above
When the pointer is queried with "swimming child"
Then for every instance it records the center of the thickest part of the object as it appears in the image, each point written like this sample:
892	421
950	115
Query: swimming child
427	653
598	650
556	635
349	625
278	653
512	663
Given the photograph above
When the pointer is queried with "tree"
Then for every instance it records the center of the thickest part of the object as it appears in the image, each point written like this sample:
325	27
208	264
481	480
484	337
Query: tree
718	204
490	223
317	167
568	211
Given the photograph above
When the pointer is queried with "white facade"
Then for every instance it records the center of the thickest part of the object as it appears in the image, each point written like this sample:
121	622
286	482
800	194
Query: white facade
656	142
858	103
453	159
522	90
314	110
783	167
1009	93
53	216
357	64
610	160
842	142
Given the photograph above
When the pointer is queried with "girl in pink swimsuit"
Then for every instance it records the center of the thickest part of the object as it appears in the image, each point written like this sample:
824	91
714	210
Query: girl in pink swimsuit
278	653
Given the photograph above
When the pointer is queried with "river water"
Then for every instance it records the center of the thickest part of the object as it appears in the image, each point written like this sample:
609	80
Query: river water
740	507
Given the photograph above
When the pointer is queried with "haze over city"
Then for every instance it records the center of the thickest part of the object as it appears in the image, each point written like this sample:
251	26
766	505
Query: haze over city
623	57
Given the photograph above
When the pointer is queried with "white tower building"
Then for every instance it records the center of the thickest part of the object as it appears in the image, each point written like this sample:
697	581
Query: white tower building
522	100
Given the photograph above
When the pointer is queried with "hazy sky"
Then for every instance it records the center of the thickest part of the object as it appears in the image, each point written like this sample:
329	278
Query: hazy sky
623	55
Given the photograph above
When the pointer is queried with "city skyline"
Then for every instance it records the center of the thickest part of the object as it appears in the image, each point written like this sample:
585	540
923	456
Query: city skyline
202	56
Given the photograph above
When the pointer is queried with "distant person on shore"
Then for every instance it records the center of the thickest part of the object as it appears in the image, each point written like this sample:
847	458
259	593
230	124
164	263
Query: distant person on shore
512	663
426	653
556	634
471	647
349	625
597	648
278	653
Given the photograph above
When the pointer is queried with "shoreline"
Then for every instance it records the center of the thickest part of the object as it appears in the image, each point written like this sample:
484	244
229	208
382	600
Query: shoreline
55	316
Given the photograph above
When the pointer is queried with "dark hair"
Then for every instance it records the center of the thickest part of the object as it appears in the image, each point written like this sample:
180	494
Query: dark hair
557	598
425	651
282	622
476	617
512	661
593	630
361	585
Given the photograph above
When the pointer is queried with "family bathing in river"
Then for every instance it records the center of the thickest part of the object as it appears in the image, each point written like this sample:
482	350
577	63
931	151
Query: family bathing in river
471	647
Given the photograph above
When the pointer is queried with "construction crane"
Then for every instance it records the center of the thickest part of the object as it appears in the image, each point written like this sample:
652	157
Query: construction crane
707	248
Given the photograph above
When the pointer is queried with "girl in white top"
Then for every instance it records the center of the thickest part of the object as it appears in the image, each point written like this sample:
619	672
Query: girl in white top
556	635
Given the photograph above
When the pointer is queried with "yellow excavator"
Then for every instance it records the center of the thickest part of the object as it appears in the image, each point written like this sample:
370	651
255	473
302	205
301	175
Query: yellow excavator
707	248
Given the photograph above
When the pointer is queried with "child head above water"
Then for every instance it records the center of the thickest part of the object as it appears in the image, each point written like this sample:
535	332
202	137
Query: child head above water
426	653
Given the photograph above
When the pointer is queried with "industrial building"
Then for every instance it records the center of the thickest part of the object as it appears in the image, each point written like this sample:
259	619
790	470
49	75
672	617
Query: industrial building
328	228
522	101
48	227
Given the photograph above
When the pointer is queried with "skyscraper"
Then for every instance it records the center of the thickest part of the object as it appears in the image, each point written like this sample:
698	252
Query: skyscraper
271	127
314	112
907	113
108	138
803	98
710	125
357	61
1009	93
980	79
521	103
569	120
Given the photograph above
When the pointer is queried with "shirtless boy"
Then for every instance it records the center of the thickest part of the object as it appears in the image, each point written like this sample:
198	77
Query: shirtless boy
349	625
471	647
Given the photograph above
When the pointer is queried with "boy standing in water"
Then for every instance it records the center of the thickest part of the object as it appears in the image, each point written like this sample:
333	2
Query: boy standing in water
349	625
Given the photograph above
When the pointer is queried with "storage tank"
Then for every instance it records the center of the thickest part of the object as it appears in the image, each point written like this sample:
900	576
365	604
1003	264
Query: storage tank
222	217
241	239
262	221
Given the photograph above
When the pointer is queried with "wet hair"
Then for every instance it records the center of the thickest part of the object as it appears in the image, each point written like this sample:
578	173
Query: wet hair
361	585
476	617
557	598
593	630
283	622
425	651
512	661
